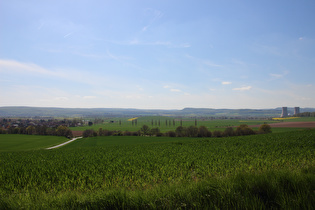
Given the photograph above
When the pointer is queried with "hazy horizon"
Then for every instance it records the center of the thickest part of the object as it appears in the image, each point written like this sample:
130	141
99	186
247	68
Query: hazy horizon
149	108
157	54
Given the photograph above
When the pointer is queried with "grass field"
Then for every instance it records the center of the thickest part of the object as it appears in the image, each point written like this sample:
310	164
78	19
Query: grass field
261	171
124	125
15	142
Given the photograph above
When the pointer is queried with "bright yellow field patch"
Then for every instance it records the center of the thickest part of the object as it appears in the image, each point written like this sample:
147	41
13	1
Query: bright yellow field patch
131	119
286	118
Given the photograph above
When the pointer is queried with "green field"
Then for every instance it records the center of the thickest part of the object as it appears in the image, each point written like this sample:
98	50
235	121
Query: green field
123	124
262	171
15	142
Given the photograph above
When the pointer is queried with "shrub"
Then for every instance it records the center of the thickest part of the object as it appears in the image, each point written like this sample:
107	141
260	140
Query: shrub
171	134
127	133
159	134
89	133
229	132
145	130
2	131
155	131
204	132
217	134
243	130
136	133
192	131
180	131
264	128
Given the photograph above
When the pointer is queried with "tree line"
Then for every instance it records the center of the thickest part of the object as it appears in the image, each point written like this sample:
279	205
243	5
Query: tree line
181	131
305	114
61	130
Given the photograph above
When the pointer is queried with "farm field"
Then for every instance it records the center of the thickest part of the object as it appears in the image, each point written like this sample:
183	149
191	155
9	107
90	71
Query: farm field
262	171
16	142
169	123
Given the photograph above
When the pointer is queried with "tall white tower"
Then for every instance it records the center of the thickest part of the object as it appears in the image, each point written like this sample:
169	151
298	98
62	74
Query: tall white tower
296	110
284	112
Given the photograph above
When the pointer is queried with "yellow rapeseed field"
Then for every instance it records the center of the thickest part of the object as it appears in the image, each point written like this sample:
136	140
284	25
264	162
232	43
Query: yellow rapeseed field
131	119
285	118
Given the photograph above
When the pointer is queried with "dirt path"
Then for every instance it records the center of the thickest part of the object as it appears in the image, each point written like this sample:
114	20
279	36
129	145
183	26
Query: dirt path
67	142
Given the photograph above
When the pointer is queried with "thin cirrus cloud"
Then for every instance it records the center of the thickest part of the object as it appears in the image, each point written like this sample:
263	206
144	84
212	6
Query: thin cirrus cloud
204	62
277	76
157	43
175	90
12	66
226	83
89	97
244	88
171	89
156	16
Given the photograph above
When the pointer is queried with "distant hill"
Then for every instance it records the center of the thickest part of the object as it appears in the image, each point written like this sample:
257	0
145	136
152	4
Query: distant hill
23	111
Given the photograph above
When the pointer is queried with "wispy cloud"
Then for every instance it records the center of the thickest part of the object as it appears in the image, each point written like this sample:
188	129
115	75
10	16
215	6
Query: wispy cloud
30	69
244	88
89	97
156	16
61	99
205	62
12	65
156	43
170	88
226	83
277	76
69	34
137	42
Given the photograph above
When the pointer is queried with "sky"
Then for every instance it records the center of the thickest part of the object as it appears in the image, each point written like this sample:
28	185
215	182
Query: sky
161	54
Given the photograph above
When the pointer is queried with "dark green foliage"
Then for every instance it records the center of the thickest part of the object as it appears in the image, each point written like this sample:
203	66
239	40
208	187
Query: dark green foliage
180	131
192	131
2	131
204	132
64	131
89	133
229	131
145	130
305	114
155	131
217	133
244	130
264	128
171	134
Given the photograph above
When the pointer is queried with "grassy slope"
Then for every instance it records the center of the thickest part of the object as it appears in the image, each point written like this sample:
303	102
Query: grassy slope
274	170
15	142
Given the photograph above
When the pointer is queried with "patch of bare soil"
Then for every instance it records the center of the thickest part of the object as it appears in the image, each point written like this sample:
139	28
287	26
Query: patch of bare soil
290	125
77	133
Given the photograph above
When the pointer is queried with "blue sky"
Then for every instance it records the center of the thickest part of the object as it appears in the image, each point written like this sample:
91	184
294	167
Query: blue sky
157	54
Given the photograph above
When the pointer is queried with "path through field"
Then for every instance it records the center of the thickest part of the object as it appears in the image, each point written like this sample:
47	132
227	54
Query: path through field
67	142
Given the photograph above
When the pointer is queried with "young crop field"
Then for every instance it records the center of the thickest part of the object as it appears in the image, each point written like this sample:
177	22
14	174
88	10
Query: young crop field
14	142
262	171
